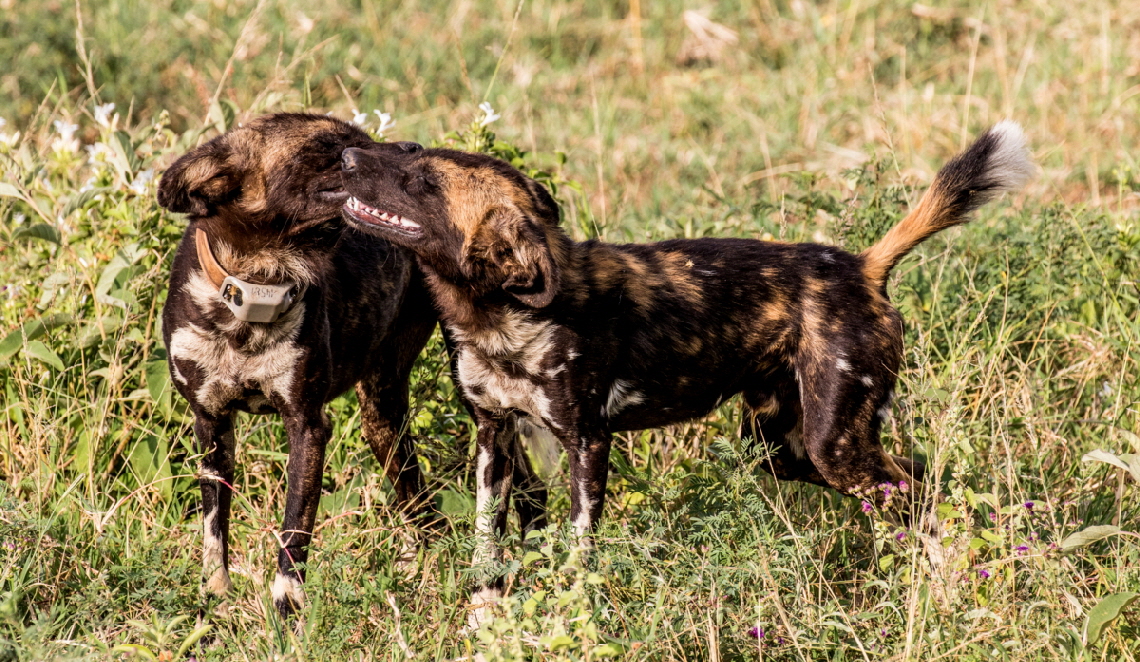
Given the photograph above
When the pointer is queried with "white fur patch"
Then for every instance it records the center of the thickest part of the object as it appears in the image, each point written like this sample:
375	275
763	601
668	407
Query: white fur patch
621	395
500	391
842	365
482	602
286	587
867	381
213	567
1009	164
268	360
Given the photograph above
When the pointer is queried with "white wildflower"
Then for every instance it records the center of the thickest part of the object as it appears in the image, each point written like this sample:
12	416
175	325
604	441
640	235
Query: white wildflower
66	141
97	153
141	181
489	114
9	139
359	117
386	122
103	115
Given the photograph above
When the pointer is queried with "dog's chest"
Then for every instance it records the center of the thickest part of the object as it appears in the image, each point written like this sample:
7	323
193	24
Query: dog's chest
252	376
508	368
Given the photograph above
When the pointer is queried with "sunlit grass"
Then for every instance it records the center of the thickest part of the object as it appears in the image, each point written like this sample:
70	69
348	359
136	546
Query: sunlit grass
1022	336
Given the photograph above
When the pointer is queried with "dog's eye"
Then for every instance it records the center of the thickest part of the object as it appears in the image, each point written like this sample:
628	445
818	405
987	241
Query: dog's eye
419	183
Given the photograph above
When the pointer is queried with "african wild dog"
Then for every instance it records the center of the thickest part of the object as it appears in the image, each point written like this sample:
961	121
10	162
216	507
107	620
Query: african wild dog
593	338
276	306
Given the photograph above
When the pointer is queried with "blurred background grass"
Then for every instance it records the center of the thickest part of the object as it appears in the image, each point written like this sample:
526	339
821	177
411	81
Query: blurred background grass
790	120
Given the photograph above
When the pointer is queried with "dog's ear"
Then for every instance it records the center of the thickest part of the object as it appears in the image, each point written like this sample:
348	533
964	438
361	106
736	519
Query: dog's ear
199	181
534	276
509	251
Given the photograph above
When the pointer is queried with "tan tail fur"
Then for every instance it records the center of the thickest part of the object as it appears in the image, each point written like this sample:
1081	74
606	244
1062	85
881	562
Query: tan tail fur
998	161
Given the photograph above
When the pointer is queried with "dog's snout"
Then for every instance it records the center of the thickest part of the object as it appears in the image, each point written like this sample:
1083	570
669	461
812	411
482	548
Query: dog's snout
349	159
410	147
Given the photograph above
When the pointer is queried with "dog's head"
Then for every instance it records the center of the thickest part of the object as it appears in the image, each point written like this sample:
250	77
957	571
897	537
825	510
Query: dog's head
274	172
473	219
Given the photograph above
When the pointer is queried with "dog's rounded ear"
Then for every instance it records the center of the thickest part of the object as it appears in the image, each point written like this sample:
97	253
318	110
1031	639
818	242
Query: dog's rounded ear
198	182
533	276
544	204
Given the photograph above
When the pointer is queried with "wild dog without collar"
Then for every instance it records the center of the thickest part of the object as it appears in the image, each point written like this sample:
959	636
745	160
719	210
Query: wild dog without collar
264	205
592	338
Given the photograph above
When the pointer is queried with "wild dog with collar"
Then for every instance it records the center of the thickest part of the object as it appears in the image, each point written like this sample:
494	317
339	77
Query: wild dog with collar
593	338
341	309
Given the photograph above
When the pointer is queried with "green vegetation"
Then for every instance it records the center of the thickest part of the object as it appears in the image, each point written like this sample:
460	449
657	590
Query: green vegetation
819	122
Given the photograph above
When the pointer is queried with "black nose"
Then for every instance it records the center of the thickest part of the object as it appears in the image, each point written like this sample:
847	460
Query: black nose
410	147
349	159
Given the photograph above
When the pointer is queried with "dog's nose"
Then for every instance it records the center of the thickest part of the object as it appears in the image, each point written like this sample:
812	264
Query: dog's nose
349	159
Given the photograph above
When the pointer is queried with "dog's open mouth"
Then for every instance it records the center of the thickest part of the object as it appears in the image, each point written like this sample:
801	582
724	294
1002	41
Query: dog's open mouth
335	194
372	216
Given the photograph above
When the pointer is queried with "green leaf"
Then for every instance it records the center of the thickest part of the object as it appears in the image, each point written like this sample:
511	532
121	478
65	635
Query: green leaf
531	557
38	350
192	639
1105	612
158	383
135	649
82	198
607	650
886	562
1111	458
41	231
1089	536
9	191
27	331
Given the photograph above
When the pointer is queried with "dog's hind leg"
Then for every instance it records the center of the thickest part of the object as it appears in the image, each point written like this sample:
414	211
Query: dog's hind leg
309	433
842	399
216	443
774	418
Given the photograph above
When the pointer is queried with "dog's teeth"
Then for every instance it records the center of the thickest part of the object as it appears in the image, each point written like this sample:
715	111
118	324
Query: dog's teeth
410	224
383	216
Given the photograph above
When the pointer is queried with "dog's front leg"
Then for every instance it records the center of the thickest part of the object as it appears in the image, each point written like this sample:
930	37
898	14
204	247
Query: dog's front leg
493	468
216	475
308	433
589	458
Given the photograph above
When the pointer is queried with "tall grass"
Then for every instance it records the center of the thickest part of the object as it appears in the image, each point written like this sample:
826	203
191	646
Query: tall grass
1020	386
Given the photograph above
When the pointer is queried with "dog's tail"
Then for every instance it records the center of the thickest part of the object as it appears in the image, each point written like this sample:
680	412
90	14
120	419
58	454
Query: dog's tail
998	161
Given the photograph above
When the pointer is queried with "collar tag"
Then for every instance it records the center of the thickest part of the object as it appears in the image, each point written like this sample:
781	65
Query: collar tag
253	302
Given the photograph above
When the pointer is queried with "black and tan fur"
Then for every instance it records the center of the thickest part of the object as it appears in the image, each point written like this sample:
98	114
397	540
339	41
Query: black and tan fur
593	338
268	195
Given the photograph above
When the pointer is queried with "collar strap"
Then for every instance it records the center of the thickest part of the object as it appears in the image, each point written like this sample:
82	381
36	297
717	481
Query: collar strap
249	302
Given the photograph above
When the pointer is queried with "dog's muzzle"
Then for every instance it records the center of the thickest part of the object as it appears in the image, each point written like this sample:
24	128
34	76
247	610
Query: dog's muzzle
254	302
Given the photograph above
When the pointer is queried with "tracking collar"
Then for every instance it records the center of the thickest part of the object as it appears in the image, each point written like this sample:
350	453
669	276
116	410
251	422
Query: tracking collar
249	302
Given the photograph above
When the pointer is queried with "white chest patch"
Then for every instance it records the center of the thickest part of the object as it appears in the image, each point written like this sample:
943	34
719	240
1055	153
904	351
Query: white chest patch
267	362
520	342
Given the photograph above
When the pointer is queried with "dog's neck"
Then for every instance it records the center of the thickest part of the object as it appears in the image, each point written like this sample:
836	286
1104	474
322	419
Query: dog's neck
267	257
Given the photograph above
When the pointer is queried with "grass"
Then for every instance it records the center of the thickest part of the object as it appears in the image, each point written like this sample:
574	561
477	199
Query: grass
820	123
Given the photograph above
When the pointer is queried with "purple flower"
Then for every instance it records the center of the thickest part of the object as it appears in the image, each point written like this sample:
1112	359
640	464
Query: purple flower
1021	549
1029	505
867	507
900	536
756	632
984	574
903	487
993	516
